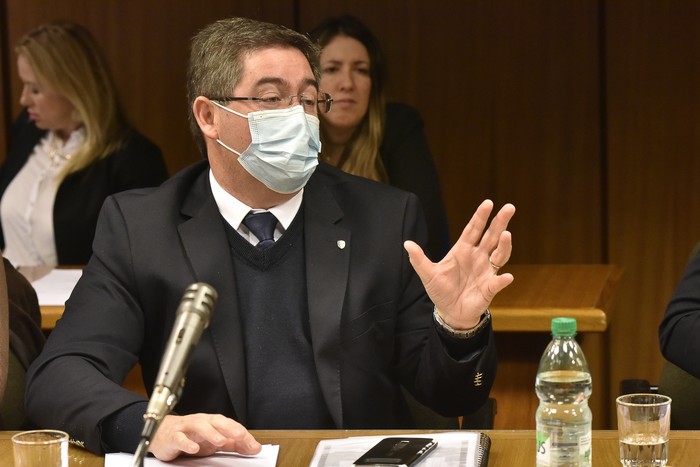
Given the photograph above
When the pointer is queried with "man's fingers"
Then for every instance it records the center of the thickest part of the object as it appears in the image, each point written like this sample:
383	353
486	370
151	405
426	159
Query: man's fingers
201	435
500	256
167	448
475	227
499	224
498	283
419	261
182	443
237	437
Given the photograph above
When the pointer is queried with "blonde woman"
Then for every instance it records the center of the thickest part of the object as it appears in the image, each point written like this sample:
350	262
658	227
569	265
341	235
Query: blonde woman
70	148
365	136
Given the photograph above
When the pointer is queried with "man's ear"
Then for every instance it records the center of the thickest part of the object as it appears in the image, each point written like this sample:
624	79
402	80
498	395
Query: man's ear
203	111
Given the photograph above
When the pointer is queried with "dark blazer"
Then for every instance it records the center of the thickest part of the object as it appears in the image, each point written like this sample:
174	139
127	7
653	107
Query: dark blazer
679	331
409	166
81	194
370	318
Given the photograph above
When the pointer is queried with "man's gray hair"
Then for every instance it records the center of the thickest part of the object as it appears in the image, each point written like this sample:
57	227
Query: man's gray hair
217	55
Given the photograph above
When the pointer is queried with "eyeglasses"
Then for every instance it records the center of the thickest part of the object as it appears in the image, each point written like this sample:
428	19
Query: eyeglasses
272	101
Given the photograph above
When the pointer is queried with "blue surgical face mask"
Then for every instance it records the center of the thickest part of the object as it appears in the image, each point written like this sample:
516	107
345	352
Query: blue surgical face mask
284	147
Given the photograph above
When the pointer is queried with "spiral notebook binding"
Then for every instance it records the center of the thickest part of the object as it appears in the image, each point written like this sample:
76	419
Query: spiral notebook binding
482	459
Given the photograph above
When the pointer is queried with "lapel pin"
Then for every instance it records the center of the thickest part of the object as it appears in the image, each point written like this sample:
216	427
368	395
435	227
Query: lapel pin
341	244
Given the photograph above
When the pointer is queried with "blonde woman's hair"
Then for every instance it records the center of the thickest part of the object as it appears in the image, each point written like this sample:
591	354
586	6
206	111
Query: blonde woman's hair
361	155
65	57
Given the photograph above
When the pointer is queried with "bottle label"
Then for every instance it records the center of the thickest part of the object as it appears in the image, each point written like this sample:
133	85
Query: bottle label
554	449
584	448
543	448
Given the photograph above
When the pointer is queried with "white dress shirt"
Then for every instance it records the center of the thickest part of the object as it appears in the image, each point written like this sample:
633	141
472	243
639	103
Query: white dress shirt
27	205
234	211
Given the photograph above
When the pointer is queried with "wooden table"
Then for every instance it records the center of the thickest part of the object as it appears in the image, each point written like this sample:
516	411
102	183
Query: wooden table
522	315
49	313
508	448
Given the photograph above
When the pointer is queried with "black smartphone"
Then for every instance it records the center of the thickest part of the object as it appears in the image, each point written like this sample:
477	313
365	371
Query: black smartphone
397	452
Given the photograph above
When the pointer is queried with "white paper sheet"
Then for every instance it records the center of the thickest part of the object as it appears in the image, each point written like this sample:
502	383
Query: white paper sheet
54	288
454	448
266	458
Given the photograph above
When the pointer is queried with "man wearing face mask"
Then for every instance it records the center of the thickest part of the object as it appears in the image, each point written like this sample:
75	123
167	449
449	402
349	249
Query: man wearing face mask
321	315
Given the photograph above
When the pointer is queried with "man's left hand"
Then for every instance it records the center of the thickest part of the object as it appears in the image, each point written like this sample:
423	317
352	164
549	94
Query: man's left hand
465	281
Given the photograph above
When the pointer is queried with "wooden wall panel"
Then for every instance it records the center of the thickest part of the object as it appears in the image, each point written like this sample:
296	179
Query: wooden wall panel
653	62
147	46
509	92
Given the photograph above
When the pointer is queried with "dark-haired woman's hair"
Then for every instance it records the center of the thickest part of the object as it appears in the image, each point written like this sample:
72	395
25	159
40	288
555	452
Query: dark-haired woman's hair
361	155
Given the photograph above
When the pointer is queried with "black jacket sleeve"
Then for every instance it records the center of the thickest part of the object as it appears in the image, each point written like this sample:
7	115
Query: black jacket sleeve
679	332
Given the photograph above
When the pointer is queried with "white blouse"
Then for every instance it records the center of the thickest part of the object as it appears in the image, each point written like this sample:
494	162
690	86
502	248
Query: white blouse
26	207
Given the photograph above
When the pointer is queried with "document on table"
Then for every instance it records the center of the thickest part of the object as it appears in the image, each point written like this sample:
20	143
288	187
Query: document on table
266	458
465	448
54	288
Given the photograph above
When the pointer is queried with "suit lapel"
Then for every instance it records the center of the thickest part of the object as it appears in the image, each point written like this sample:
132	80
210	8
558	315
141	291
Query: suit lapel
327	246
205	244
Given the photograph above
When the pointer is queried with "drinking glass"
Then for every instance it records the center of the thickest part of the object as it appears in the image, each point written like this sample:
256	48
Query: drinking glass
40	448
643	425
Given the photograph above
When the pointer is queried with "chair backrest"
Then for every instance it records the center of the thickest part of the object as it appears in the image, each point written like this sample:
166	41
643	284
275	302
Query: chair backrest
18	302
12	404
425	418
684	390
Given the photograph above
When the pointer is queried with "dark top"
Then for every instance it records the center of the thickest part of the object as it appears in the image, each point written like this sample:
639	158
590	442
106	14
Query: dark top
679	331
139	163
409	165
370	319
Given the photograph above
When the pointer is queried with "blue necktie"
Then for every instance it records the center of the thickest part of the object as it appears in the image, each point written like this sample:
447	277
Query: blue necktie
263	226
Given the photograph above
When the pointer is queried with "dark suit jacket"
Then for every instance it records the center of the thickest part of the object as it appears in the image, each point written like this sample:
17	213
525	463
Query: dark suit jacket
81	194
679	331
409	166
370	318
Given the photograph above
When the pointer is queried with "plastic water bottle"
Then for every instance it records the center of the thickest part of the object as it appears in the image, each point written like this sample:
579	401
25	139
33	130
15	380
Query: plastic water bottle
563	386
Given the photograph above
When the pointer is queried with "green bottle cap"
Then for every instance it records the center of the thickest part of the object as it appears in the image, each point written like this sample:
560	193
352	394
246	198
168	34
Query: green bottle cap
564	327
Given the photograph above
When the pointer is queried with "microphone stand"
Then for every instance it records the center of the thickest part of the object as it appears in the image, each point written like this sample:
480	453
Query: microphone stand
193	316
141	452
161	403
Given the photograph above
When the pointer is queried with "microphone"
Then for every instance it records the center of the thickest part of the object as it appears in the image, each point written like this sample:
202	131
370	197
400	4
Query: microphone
193	316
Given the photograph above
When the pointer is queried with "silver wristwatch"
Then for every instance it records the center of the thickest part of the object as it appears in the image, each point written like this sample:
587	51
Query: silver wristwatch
483	322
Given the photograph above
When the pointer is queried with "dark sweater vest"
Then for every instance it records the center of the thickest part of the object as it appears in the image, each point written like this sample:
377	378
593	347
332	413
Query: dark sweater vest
282	383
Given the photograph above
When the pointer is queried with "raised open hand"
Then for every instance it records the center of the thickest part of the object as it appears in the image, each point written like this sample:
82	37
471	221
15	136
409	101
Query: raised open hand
463	284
